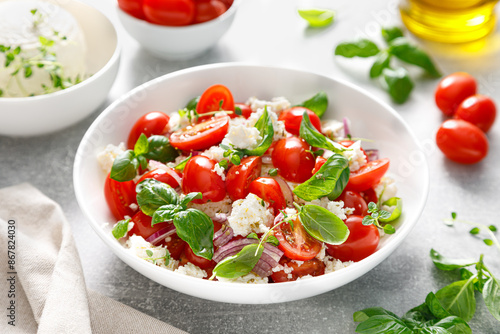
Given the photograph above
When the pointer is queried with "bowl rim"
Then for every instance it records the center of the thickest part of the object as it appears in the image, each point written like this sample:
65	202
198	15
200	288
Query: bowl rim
228	13
113	59
362	266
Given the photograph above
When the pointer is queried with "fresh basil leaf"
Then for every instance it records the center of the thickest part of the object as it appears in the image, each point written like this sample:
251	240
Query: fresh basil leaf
323	182
435	306
120	229
149	252
318	103
265	127
389	229
317	18
340	185
271	239
197	229
370	312
253	235
458	299
314	138
474	231
323	225
396	213
382	61
411	54
160	149
361	48
124	167
491	295
399	84
492	228
453	325
191	105
391	33
189	197
152	194
237	111
142	145
420	313
165	213
240	264
433	330
383	324
444	263
465	274
143	162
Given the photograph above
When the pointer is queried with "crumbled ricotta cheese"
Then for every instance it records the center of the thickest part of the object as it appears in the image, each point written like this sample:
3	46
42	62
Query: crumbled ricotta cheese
250	214
139	247
133	206
215	153
290	211
276	104
220	171
242	136
177	122
386	188
108	156
304	277
333	129
332	264
322	253
278	126
336	207
213	208
356	156
250	278
190	269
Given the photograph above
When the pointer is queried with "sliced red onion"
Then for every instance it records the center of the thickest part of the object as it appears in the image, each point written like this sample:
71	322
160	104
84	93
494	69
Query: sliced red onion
372	154
156	164
267	160
223	236
220	217
277	253
278	218
160	235
346	122
231	248
285	189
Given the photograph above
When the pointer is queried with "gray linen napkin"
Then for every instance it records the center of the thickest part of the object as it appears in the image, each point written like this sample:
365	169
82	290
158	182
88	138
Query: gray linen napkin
47	277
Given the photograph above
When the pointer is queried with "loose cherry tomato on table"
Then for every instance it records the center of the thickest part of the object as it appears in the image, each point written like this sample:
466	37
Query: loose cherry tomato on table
206	10
353	199
293	117
452	90
270	191
169	12
295	242
246	111
293	159
199	176
361	243
240	176
119	196
462	141
132	7
162	175
201	136
152	123
215	98
479	110
368	175
312	267
142	225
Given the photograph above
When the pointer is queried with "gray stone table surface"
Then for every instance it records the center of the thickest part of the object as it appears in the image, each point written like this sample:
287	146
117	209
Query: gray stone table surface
270	32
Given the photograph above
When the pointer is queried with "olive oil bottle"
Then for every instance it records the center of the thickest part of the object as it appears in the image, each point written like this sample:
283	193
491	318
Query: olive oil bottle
449	21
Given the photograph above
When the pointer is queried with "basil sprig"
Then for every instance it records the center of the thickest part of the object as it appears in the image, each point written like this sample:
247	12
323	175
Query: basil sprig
317	18
323	225
375	216
361	48
127	163
240	264
411	54
265	126
318	103
161	201
315	138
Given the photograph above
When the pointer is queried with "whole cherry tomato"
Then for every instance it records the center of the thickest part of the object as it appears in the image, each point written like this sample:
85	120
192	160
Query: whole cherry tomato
214	98
293	158
462	141
199	176
312	267
246	111
162	175
175	246
479	110
240	176
293	117
353	199
295	242
132	7
198	260
368	175
202	135
152	123
169	12
452	90
142	225
361	243
207	10
270	191
119	196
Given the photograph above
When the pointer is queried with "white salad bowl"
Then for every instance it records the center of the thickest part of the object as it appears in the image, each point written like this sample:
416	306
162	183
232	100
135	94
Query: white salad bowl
369	118
42	114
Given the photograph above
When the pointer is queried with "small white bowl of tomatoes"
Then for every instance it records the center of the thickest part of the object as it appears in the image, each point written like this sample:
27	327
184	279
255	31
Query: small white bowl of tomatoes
177	29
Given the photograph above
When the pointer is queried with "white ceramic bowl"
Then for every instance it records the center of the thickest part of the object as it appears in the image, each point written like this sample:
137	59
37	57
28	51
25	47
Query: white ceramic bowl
178	42
370	118
37	115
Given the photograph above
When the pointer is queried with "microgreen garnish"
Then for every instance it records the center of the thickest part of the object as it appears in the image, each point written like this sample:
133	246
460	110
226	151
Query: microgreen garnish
376	214
121	228
395	80
317	18
166	257
272	172
477	229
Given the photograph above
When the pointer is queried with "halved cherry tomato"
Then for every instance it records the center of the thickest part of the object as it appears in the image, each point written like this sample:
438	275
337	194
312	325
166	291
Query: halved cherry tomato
199	176
369	195
293	117
240	176
119	196
215	98
312	267
368	175
296	243
362	241
198	260
207	10
479	110
270	191
202	135
162	176
142	225
132	7
320	161
452	90
246	111
293	159
353	199
462	141
152	123
169	12
175	246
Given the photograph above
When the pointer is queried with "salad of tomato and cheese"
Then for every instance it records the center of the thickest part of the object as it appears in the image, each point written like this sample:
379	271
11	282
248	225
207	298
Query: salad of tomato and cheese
255	192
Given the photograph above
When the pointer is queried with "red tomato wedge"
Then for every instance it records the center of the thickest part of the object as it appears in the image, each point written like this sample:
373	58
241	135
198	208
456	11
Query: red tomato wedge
201	136
119	196
215	98
142	225
368	175
240	176
270	191
312	267
295	242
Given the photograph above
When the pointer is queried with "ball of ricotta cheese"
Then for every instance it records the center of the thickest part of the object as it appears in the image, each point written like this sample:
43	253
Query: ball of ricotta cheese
24	23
